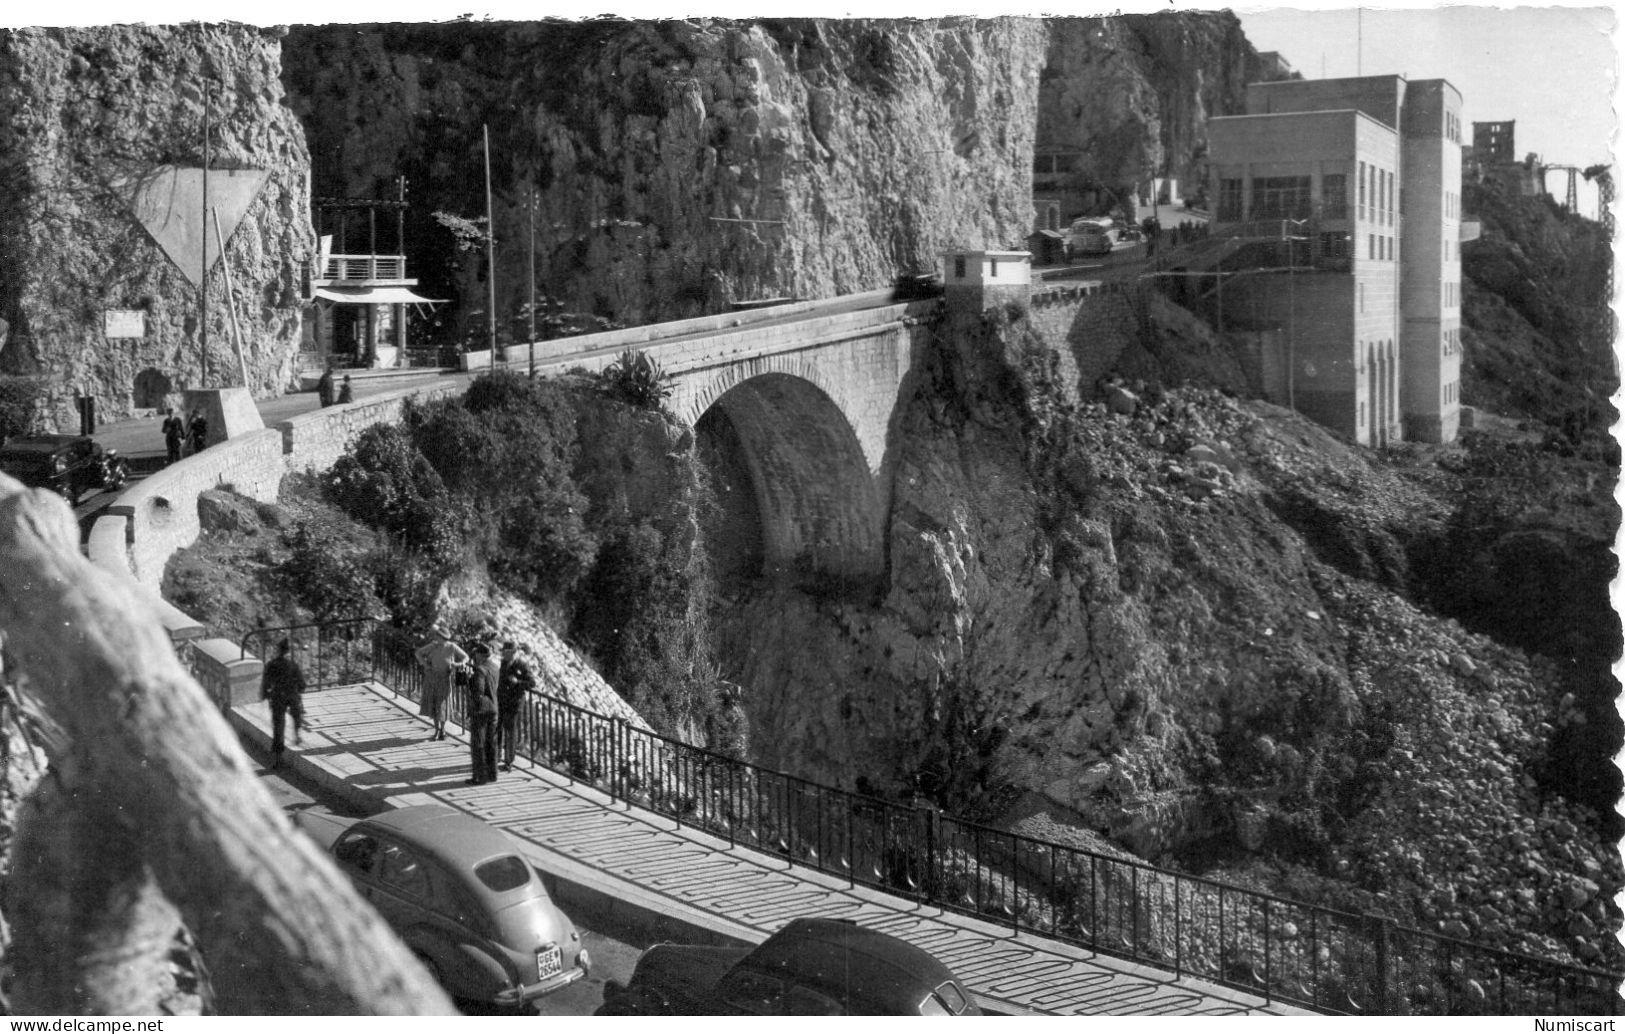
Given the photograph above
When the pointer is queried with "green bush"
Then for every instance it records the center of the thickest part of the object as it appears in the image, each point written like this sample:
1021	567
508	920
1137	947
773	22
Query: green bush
386	482
328	572
637	380
506	448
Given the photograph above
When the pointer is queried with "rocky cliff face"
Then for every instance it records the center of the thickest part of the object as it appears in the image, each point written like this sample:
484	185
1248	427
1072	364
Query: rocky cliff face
1132	94
679	166
86	111
1184	620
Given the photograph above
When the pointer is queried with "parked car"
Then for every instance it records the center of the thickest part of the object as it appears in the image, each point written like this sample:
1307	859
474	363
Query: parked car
64	463
464	899
812	967
911	286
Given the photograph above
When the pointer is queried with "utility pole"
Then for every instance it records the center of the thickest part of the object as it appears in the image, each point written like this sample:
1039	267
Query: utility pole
532	274
490	255
203	256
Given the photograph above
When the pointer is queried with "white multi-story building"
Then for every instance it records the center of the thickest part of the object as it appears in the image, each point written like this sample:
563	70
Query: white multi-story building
1358	184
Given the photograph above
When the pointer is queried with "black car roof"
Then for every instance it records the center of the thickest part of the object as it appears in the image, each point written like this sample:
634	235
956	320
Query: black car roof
865	965
39	444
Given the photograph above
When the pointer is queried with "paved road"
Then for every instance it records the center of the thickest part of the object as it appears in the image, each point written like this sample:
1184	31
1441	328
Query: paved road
613	956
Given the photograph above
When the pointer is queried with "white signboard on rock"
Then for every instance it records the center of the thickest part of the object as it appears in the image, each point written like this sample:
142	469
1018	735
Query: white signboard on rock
125	323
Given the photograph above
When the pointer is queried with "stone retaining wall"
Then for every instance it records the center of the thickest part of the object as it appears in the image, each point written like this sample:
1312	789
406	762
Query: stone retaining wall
1089	326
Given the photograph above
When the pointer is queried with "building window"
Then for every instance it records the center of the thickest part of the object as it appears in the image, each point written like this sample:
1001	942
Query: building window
959	267
1362	414
1362	190
1229	201
1388	195
992	269
1281	197
1334	252
1334	196
1370	245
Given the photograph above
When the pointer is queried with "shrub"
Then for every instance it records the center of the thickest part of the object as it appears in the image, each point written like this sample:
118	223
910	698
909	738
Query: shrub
506	447
637	380
328	572
386	482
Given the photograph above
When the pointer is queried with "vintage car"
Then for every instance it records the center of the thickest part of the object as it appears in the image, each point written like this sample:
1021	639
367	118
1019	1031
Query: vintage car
463	898
910	287
811	967
64	463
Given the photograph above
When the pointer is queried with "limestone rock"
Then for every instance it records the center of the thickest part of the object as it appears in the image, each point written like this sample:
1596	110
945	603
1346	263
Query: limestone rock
91	110
227	512
835	134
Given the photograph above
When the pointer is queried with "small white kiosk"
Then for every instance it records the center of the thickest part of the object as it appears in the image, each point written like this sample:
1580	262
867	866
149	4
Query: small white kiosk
977	280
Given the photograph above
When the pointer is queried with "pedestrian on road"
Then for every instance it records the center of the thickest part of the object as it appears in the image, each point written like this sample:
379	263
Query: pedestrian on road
440	657
197	431
174	431
283	684
482	719
344	391
324	387
514	683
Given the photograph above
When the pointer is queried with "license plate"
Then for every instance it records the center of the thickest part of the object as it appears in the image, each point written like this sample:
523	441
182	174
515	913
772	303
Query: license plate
549	962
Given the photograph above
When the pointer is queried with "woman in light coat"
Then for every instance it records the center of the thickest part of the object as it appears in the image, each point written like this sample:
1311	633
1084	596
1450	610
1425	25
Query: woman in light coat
440	658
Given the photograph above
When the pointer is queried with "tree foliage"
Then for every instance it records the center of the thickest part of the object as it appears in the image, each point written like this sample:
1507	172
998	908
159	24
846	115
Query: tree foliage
386	482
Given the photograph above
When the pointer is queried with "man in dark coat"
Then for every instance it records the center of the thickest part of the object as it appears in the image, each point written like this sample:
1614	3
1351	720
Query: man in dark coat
174	431
198	432
283	684
482	719
514	681
324	388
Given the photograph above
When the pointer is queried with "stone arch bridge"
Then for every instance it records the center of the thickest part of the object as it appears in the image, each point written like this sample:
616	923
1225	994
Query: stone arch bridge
805	396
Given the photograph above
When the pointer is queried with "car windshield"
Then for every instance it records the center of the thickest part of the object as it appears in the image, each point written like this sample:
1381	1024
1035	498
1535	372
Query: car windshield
505	873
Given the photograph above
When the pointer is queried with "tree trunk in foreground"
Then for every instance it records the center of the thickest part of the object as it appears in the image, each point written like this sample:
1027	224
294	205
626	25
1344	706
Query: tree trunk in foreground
157	814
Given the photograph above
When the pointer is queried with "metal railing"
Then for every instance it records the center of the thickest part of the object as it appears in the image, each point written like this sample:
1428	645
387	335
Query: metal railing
365	267
1288	951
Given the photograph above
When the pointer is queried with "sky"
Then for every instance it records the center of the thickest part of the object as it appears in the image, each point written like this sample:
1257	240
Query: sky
1551	69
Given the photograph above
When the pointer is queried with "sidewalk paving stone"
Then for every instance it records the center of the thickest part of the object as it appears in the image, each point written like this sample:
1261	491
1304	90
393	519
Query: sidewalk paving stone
371	747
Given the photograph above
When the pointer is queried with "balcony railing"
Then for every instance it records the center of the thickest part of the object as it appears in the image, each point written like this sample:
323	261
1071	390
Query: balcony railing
1303	954
360	268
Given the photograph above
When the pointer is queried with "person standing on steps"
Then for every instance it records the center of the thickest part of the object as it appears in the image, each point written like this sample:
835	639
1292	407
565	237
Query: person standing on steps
439	658
482	719
324	387
514	682
174	431
283	684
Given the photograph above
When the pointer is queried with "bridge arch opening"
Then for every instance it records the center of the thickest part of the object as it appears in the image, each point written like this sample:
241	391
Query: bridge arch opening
794	491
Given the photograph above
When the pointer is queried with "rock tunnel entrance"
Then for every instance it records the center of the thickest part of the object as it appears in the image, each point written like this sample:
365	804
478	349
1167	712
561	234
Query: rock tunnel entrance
795	495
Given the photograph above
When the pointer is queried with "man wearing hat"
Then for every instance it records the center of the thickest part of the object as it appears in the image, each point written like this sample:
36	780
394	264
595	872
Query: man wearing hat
482	719
440	658
514	681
